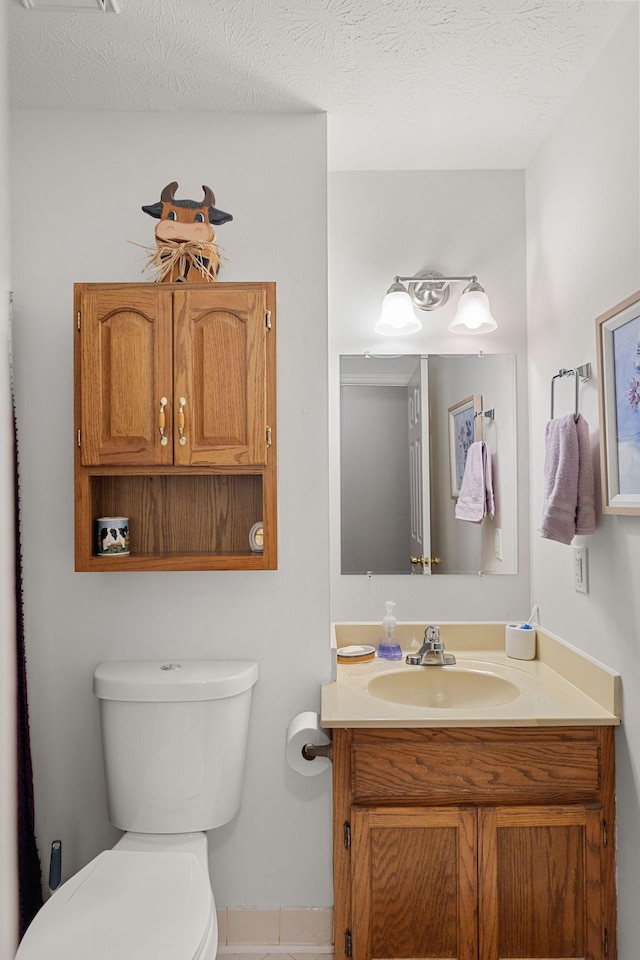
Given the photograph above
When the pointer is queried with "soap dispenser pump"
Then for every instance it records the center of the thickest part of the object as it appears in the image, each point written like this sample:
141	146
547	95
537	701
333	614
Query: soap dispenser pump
389	647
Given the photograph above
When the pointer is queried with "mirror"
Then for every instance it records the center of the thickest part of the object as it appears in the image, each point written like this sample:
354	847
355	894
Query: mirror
405	425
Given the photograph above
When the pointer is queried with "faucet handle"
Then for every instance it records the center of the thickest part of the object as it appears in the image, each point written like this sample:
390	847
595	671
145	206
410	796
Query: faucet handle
432	637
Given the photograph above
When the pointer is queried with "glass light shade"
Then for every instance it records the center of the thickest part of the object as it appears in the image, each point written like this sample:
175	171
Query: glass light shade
474	313
397	318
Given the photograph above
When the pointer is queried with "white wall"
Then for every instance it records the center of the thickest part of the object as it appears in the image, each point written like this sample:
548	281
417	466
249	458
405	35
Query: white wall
8	879
462	222
583	257
78	181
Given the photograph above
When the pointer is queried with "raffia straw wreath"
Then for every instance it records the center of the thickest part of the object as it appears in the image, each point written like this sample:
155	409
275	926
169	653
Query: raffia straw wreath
171	253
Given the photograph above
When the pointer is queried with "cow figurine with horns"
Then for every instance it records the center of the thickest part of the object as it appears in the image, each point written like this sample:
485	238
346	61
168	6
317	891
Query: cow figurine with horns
186	247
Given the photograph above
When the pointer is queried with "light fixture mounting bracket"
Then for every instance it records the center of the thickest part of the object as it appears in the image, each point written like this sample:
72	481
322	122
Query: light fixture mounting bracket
428	289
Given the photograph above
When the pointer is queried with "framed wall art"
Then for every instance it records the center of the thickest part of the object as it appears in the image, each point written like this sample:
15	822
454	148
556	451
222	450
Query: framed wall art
464	428
618	347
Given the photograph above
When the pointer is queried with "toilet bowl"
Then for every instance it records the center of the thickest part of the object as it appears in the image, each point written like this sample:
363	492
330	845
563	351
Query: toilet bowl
174	740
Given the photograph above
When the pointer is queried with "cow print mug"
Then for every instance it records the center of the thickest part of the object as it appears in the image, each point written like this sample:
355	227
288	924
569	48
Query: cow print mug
112	536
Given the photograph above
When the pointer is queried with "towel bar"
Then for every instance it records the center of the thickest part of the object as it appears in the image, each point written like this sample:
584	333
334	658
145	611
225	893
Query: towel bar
490	414
582	373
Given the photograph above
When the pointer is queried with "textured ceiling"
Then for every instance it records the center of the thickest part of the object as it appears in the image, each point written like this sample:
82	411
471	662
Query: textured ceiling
406	84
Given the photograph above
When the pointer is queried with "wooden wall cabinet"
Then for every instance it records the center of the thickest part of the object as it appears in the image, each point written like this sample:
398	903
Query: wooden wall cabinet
474	844
175	408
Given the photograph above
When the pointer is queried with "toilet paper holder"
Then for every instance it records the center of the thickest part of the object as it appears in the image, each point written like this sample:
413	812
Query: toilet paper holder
305	741
312	750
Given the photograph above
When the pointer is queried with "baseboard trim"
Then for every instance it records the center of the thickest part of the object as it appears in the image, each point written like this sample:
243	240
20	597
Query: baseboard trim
277	930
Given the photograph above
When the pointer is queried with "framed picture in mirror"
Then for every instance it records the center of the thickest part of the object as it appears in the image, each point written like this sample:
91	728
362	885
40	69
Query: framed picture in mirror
464	428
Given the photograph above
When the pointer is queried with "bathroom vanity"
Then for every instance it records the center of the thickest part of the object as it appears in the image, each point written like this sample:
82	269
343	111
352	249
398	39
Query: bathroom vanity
483	830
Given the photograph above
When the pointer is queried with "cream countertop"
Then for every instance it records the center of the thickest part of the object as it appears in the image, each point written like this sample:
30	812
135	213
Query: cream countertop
561	687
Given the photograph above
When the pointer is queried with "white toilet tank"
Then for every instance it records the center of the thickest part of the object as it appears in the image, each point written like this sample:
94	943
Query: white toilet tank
174	739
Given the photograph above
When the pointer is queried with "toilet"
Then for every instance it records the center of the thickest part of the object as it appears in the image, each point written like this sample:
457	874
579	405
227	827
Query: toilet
174	738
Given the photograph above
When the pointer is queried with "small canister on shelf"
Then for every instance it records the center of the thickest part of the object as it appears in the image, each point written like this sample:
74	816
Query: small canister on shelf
112	537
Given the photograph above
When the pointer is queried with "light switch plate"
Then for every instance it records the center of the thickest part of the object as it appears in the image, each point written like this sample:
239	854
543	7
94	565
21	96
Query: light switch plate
580	569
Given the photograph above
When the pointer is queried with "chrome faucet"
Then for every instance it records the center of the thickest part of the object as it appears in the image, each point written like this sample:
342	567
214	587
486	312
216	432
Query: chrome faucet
431	653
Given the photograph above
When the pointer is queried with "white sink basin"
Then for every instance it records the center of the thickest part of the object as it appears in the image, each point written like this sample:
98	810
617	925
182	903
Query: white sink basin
454	687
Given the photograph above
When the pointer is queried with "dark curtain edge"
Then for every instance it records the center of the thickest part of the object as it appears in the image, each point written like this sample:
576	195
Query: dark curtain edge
29	870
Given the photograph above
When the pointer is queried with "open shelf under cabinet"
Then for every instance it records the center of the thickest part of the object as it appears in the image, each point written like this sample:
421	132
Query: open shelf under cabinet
176	521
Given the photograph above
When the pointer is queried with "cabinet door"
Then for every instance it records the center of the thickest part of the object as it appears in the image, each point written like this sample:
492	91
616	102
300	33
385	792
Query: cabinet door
125	372
414	883
220	377
540	883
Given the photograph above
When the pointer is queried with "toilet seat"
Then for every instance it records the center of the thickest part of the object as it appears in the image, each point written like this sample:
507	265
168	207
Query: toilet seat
143	906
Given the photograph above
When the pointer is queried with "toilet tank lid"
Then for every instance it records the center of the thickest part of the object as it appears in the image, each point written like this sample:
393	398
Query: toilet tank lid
171	680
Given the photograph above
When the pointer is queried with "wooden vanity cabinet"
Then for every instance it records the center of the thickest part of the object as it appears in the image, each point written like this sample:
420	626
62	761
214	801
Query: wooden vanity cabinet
175	401
474	844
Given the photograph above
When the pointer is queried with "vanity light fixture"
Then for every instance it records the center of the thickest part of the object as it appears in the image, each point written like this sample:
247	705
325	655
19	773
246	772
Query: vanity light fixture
429	290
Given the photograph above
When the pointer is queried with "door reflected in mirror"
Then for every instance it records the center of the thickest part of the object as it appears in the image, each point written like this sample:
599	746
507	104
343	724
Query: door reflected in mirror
400	453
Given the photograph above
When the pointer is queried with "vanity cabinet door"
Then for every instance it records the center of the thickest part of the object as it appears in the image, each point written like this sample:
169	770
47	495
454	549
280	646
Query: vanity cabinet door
124	373
220	394
414	883
540	883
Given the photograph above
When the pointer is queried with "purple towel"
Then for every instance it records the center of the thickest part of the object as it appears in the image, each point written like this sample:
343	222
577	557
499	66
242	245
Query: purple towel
569	504
476	491
586	508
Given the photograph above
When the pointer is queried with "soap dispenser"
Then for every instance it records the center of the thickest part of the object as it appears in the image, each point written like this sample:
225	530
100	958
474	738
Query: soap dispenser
389	647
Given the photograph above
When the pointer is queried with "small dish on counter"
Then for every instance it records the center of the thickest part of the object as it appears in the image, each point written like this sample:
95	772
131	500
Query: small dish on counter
356	653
